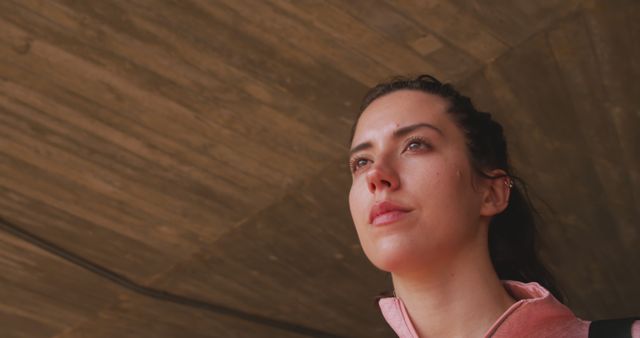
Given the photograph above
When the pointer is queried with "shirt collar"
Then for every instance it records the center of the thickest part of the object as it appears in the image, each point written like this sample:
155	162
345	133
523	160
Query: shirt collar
531	299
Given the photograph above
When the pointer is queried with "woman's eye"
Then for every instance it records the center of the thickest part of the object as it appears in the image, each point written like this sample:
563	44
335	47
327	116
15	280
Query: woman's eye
416	145
358	163
361	162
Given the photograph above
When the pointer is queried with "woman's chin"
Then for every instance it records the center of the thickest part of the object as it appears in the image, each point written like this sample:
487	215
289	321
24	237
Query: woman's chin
391	257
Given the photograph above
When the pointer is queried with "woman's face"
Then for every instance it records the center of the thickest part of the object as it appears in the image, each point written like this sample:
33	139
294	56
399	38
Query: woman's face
412	199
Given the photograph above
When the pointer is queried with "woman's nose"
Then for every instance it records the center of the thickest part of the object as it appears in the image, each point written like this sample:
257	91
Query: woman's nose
382	177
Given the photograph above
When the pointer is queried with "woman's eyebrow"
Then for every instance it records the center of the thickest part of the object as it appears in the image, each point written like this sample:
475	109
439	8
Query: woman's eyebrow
408	129
396	134
360	147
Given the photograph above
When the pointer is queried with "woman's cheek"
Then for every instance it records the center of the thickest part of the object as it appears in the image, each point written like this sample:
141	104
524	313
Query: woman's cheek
357	202
352	206
359	197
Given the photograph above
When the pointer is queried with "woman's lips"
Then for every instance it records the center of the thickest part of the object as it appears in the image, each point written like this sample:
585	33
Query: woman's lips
388	217
386	212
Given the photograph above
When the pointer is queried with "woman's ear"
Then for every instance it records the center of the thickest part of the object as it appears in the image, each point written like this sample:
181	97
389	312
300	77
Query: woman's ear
495	196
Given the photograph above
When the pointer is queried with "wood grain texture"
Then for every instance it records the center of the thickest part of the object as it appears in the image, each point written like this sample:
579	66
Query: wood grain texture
135	316
42	295
512	22
200	147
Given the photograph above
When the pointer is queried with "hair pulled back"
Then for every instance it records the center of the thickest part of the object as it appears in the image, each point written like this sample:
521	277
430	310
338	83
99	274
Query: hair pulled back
512	233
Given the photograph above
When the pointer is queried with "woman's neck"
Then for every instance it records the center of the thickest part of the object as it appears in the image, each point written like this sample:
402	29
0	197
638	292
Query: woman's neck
462	298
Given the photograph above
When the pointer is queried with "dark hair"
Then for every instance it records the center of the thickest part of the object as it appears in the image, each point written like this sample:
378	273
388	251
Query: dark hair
512	233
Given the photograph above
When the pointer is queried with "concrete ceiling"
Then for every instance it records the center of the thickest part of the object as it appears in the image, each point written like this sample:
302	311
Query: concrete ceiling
197	151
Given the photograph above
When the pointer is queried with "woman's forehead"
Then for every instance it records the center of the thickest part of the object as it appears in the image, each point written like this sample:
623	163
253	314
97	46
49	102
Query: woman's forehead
398	109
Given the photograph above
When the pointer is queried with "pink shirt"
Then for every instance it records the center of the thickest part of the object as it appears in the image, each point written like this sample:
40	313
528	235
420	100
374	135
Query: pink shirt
536	313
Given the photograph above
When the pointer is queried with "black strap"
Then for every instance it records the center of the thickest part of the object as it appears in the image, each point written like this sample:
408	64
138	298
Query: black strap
611	328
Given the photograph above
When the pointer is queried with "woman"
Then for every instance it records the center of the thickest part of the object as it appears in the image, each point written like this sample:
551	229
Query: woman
436	204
